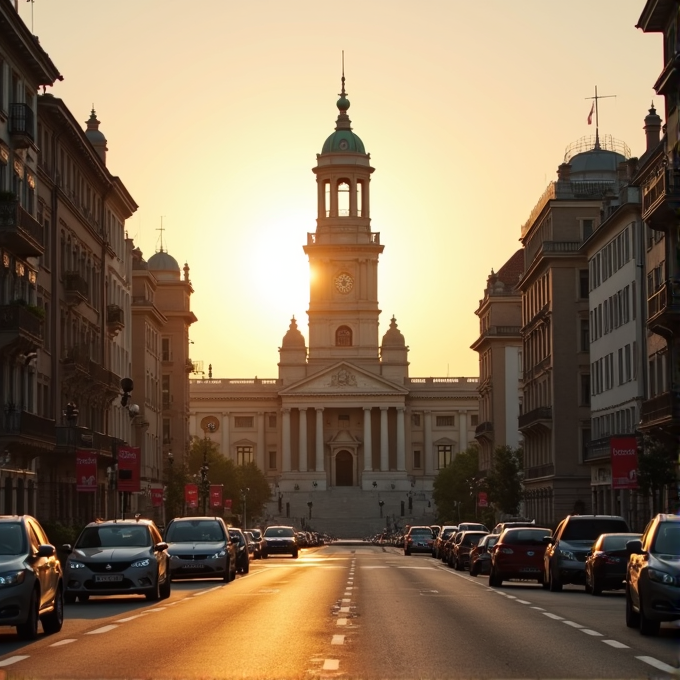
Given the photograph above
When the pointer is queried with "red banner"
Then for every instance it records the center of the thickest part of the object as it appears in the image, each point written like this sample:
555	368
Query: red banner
216	496
191	495
624	462
482	500
227	504
156	498
129	464
86	471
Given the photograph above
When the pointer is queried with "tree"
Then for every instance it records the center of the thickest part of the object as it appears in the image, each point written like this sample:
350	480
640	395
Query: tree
249	476
455	488
504	481
656	469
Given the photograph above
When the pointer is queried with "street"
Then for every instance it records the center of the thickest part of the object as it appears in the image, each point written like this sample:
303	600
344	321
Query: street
347	611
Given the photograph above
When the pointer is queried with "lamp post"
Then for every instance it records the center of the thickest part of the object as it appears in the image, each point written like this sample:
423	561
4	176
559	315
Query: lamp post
309	505
205	483
243	504
381	503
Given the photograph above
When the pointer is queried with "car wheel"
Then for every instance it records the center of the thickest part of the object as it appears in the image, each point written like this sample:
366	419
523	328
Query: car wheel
246	569
554	585
154	594
53	621
494	581
294	555
29	629
588	587
595	586
648	627
458	566
632	617
166	587
474	570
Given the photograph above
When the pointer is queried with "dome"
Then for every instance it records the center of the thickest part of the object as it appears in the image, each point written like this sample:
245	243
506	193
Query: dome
293	339
595	164
163	261
393	337
93	133
335	142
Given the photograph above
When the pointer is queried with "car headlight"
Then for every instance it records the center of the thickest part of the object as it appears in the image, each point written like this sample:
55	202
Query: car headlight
567	555
661	577
142	563
72	564
12	578
217	555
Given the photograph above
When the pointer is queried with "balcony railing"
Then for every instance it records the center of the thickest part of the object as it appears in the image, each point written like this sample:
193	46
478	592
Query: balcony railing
21	124
597	449
20	232
663	307
17	320
27	424
539	471
660	197
115	319
73	437
76	286
662	408
537	415
483	428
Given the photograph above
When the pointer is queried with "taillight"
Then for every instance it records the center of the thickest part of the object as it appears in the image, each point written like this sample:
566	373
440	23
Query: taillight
608	559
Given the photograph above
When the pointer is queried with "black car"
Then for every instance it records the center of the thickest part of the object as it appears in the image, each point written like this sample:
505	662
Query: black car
31	578
240	543
279	540
118	557
200	547
653	576
606	563
257	542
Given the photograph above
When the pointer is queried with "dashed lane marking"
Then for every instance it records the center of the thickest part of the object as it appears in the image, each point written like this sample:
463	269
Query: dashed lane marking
63	642
553	616
103	629
129	618
616	644
524	601
338	640
342	622
13	659
344	610
540	609
346	600
657	664
573	624
588	631
331	665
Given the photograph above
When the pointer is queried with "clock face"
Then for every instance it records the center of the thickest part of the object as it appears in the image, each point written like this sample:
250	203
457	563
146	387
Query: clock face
343	145
344	283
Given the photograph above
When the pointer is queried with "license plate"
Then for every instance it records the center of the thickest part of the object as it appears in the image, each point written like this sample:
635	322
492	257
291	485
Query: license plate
530	569
193	566
108	578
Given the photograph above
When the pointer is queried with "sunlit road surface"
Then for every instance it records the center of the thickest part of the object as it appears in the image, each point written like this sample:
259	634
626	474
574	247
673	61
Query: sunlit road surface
347	611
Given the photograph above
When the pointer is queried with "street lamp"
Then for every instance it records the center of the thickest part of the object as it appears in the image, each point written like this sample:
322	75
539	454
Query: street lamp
204	481
309	505
381	503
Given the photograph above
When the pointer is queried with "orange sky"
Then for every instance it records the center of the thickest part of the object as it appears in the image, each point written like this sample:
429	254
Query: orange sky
214	112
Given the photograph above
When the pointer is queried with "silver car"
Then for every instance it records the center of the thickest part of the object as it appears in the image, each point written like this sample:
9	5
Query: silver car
118	557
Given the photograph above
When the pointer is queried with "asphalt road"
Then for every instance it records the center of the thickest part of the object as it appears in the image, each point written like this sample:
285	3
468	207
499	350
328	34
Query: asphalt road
347	612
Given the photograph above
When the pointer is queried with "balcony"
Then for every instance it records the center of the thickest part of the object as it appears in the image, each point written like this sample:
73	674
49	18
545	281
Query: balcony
661	198
20	232
597	450
20	327
21	125
76	287
484	430
660	411
115	320
538	417
83	374
28	429
539	472
663	310
72	437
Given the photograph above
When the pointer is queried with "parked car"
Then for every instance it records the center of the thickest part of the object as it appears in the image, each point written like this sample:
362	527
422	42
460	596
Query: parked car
31	578
564	560
459	558
480	555
240	542
518	554
199	547
441	538
257	543
447	546
501	526
419	539
472	526
653	576
280	540
606	563
118	557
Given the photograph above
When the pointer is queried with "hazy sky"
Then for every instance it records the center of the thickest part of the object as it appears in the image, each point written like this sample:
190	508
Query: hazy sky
215	110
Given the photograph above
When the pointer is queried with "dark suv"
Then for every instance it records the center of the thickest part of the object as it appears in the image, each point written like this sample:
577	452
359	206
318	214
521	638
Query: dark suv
564	560
653	576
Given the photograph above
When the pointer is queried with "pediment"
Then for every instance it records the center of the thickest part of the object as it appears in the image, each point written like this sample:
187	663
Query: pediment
444	441
344	378
343	437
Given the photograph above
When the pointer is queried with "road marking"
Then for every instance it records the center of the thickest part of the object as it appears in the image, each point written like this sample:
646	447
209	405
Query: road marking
616	644
346	600
344	610
588	631
573	624
523	601
347	593
657	664
156	609
268	591
510	597
342	622
540	609
103	629
209	590
129	618
13	659
338	640
63	642
331	665
553	616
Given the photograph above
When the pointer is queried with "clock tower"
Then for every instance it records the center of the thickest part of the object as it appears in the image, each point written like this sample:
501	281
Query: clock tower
343	254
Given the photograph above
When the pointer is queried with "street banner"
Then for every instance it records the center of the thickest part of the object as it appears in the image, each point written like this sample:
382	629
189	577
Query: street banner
129	464
86	471
216	496
191	495
227	504
156	498
482	500
624	462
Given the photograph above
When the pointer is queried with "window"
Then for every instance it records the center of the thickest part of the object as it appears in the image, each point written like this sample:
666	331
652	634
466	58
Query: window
586	228
244	454
272	460
585	390
165	391
166	355
583	284
343	422
243	421
585	336
474	420
415	419
343	198
166	431
416	460
445	421
272	420
343	337
444	453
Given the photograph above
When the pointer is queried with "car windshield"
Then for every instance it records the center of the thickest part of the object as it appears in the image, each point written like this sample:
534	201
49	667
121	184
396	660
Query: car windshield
114	536
590	529
421	532
667	539
279	532
12	539
525	536
617	541
194	531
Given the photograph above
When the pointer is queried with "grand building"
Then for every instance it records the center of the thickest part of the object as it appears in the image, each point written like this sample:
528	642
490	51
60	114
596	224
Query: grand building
343	428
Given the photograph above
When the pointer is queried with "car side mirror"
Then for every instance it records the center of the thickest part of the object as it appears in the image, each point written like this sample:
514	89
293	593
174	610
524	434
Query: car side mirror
159	547
634	547
548	540
46	550
67	548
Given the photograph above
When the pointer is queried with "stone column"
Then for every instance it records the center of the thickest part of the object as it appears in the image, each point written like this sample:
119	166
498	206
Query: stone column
368	442
384	443
226	450
430	463
303	441
401	439
462	431
319	439
285	440
261	444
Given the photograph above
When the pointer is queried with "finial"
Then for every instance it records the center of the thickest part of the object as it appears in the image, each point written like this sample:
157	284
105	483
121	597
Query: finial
210	370
161	229
342	80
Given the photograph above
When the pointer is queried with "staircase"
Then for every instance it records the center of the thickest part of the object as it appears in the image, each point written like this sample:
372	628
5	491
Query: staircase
349	512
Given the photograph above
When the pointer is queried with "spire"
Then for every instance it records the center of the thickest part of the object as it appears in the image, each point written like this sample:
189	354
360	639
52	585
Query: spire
343	122
95	135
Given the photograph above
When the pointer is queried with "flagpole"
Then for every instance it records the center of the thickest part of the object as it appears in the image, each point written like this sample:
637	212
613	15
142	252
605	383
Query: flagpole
596	99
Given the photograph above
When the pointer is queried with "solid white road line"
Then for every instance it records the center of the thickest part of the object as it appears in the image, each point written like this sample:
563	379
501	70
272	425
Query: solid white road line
657	664
13	659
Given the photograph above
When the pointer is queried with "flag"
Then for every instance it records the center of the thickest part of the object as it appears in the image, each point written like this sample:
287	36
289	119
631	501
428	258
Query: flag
590	115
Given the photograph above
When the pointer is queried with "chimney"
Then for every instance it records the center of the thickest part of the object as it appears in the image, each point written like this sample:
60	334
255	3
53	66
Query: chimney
652	128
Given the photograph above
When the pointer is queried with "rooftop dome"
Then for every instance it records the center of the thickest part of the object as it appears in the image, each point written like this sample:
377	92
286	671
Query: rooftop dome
93	133
293	339
343	139
393	337
163	261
